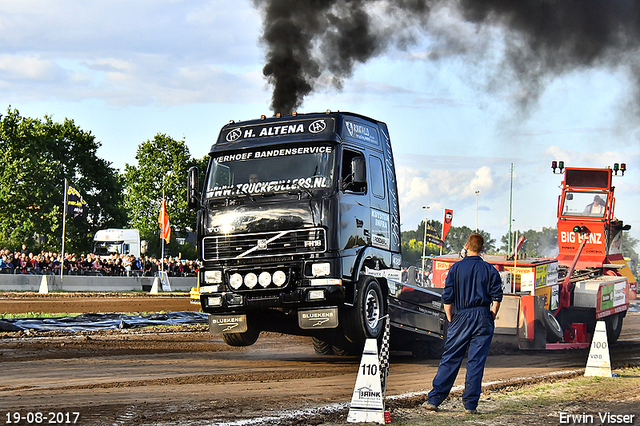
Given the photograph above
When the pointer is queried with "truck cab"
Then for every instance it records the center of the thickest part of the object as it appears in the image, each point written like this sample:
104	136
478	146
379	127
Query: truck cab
109	242
294	215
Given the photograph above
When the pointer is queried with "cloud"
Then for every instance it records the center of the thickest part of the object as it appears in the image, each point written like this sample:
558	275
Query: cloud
574	158
28	68
181	52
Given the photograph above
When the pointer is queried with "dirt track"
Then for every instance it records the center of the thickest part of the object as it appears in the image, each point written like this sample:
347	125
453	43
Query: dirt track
186	376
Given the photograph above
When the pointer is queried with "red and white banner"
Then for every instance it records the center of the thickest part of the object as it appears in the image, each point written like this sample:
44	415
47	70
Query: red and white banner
448	218
163	221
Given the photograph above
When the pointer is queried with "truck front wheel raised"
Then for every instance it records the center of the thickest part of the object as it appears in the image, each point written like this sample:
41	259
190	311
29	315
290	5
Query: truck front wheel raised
364	320
247	338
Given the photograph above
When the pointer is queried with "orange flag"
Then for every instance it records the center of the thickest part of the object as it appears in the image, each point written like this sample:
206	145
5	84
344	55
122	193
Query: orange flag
163	221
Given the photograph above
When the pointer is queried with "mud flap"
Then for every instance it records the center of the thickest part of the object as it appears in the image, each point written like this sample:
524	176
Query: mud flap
314	319
219	324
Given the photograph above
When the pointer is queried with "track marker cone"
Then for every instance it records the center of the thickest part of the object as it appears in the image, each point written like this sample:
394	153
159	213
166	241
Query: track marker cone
367	403
44	285
154	287
599	363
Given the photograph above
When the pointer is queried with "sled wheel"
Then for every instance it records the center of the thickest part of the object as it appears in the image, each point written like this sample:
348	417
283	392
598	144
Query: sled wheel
614	327
553	327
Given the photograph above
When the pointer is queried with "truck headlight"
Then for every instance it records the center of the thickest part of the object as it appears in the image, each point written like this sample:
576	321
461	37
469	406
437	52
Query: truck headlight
213	277
315	295
235	281
264	279
279	278
214	301
250	280
320	269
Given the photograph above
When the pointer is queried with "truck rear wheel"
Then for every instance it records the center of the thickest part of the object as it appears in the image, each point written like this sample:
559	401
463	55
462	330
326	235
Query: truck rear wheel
247	338
428	349
614	326
322	347
364	320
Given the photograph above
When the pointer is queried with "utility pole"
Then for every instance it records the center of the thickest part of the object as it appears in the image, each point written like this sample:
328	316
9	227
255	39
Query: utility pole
510	210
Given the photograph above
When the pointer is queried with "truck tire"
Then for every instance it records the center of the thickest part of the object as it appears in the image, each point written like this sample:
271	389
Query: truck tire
553	327
247	338
428	349
322	347
614	327
364	320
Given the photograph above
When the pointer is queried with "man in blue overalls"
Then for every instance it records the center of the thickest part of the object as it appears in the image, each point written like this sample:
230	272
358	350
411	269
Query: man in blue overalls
474	288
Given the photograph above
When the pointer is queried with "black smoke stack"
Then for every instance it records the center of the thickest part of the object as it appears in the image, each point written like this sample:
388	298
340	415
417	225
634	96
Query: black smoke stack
306	38
317	43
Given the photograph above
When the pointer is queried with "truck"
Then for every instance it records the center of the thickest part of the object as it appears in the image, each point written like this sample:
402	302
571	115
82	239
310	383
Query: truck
298	232
107	242
556	303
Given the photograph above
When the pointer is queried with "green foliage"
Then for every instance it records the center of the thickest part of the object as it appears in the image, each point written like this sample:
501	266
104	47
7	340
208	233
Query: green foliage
537	243
458	235
37	156
412	243
162	164
629	245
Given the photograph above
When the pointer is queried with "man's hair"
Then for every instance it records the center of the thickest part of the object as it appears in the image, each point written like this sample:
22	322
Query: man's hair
475	242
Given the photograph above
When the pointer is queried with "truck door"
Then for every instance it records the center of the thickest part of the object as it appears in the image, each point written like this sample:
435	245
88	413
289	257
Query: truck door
380	221
354	207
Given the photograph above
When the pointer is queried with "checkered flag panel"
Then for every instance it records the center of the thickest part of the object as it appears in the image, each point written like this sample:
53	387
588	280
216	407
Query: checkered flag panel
384	355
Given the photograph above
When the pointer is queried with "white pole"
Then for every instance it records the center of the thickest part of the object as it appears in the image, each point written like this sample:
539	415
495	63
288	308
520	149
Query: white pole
162	230
477	211
442	233
424	242
64	222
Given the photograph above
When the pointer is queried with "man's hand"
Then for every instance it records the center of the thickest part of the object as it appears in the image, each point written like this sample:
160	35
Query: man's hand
495	307
448	310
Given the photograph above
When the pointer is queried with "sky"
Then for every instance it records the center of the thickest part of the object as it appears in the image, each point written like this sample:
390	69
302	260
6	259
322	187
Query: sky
127	71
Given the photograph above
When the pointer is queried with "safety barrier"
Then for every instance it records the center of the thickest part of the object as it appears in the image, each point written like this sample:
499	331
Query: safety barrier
82	283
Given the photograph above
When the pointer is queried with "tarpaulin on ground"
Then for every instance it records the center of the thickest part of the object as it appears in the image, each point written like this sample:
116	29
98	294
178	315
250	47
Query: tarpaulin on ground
87	322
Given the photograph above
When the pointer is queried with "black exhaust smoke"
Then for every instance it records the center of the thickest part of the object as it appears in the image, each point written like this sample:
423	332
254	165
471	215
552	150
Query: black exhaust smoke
311	43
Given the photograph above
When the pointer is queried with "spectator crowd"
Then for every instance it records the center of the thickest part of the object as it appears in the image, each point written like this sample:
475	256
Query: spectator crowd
26	262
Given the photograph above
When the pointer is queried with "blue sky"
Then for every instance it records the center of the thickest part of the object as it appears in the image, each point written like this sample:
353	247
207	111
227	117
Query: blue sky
129	70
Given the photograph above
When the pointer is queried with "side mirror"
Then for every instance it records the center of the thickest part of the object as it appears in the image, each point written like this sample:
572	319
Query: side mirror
192	188
359	170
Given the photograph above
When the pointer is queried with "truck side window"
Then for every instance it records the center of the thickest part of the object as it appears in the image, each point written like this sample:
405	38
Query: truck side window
376	172
346	175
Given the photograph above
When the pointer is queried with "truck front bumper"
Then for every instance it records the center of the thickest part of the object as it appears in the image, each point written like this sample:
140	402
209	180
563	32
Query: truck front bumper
301	297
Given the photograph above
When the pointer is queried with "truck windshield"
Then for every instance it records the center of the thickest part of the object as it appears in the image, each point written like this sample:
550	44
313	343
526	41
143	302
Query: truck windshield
589	204
271	170
106	248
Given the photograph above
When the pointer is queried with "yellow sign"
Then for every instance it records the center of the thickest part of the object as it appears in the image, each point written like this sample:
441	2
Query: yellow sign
541	276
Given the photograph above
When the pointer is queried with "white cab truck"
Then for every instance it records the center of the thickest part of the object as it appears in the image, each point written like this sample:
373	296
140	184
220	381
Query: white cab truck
111	241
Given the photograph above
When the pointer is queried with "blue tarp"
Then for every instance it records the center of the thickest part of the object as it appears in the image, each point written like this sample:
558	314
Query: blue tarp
86	322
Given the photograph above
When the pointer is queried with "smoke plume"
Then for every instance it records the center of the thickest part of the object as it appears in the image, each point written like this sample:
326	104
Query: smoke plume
312	43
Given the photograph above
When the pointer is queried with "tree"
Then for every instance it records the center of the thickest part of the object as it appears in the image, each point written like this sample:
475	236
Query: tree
162	164
629	245
458	235
537	243
412	243
37	157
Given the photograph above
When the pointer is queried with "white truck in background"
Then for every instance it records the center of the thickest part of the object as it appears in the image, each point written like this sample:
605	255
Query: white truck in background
111	241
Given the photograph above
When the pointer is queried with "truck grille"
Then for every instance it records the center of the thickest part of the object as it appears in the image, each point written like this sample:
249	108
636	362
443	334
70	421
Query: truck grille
265	244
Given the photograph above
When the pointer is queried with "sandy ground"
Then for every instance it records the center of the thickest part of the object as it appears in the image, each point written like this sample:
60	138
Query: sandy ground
184	376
